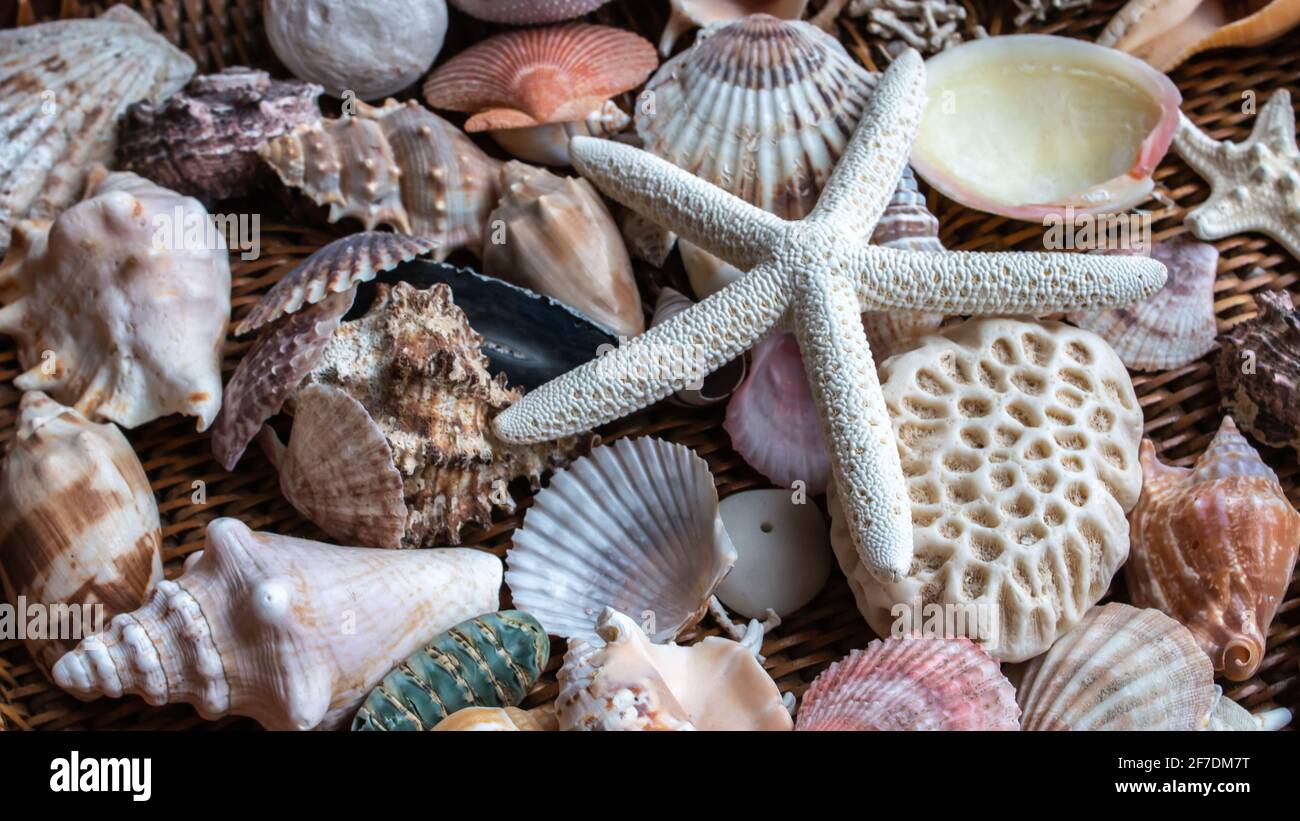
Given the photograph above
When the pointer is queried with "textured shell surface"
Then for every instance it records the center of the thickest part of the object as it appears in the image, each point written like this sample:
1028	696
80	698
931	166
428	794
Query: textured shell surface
622	681
1019	444
78	520
1258	371
1176	326
1230	716
370	50
773	422
1165	33
559	239
63	86
1214	547
687	14
417	367
717	386
527	12
120	307
489	661
399	165
1119	668
202	141
634	527
289	632
911	683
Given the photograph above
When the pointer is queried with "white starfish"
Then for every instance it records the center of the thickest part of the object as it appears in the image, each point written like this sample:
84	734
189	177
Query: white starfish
816	276
1254	185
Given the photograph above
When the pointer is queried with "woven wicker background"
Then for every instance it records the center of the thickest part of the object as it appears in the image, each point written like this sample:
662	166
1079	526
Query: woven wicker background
1181	406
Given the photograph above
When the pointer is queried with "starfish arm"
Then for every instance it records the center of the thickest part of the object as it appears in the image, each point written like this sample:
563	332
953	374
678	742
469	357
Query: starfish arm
964	282
868	172
720	223
1276	120
649	367
1197	148
864	453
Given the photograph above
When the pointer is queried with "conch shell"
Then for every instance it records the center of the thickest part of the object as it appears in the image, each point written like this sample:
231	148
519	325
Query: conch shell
554	235
63	86
399	165
1214	547
120	307
289	632
1165	33
78	521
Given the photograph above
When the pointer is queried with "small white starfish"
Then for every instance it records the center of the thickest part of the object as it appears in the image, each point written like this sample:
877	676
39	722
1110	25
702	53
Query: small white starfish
816	276
1254	185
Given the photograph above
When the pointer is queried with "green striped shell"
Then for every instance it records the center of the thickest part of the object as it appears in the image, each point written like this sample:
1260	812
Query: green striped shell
489	661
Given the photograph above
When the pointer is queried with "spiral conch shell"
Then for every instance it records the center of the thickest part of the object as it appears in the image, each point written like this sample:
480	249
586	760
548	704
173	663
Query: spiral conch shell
1214	547
289	632
399	165
78	521
120	307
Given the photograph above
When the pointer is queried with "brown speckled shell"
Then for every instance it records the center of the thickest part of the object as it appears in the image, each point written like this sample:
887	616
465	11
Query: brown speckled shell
1259	372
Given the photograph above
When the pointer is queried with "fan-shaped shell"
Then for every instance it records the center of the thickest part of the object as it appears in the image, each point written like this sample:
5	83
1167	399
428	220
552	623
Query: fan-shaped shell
63	86
1166	33
911	683
633	526
1119	668
527	12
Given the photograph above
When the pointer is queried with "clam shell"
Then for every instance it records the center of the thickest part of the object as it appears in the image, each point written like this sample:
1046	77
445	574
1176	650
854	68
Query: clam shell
1177	325
63	86
527	12
634	526
1165	33
911	683
687	14
1119	668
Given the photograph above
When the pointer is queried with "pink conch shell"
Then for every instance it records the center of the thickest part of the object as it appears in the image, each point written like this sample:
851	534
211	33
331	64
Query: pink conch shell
912	683
1214	547
1165	33
772	421
290	632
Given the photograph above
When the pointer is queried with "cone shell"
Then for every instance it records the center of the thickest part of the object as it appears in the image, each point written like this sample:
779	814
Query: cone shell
1119	668
289	632
635	527
527	12
1214	548
509	719
63	86
202	141
554	235
687	14
1165	33
399	165
773	421
1258	371
911	683
78	521
1176	326
120	307
628	683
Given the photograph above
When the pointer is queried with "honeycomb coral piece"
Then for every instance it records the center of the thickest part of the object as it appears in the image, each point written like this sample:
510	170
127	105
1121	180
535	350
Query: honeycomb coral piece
1019	444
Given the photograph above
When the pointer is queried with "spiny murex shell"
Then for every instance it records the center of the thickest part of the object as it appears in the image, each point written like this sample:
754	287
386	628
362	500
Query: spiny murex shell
1119	668
399	165
417	367
120	307
1259	371
78	521
634	526
1214	547
202	141
63	86
1019	444
289	632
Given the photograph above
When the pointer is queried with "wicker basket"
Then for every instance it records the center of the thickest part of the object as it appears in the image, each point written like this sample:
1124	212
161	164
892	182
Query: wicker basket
1181	406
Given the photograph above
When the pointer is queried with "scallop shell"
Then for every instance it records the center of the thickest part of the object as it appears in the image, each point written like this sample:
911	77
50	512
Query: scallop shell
120	307
1214	547
1119	668
527	12
688	14
628	683
416	366
773	422
1176	326
1258	371
1165	33
509	719
63	86
78	522
202	141
368	50
289	632
911	683
717	386
399	165
635	527
555	236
